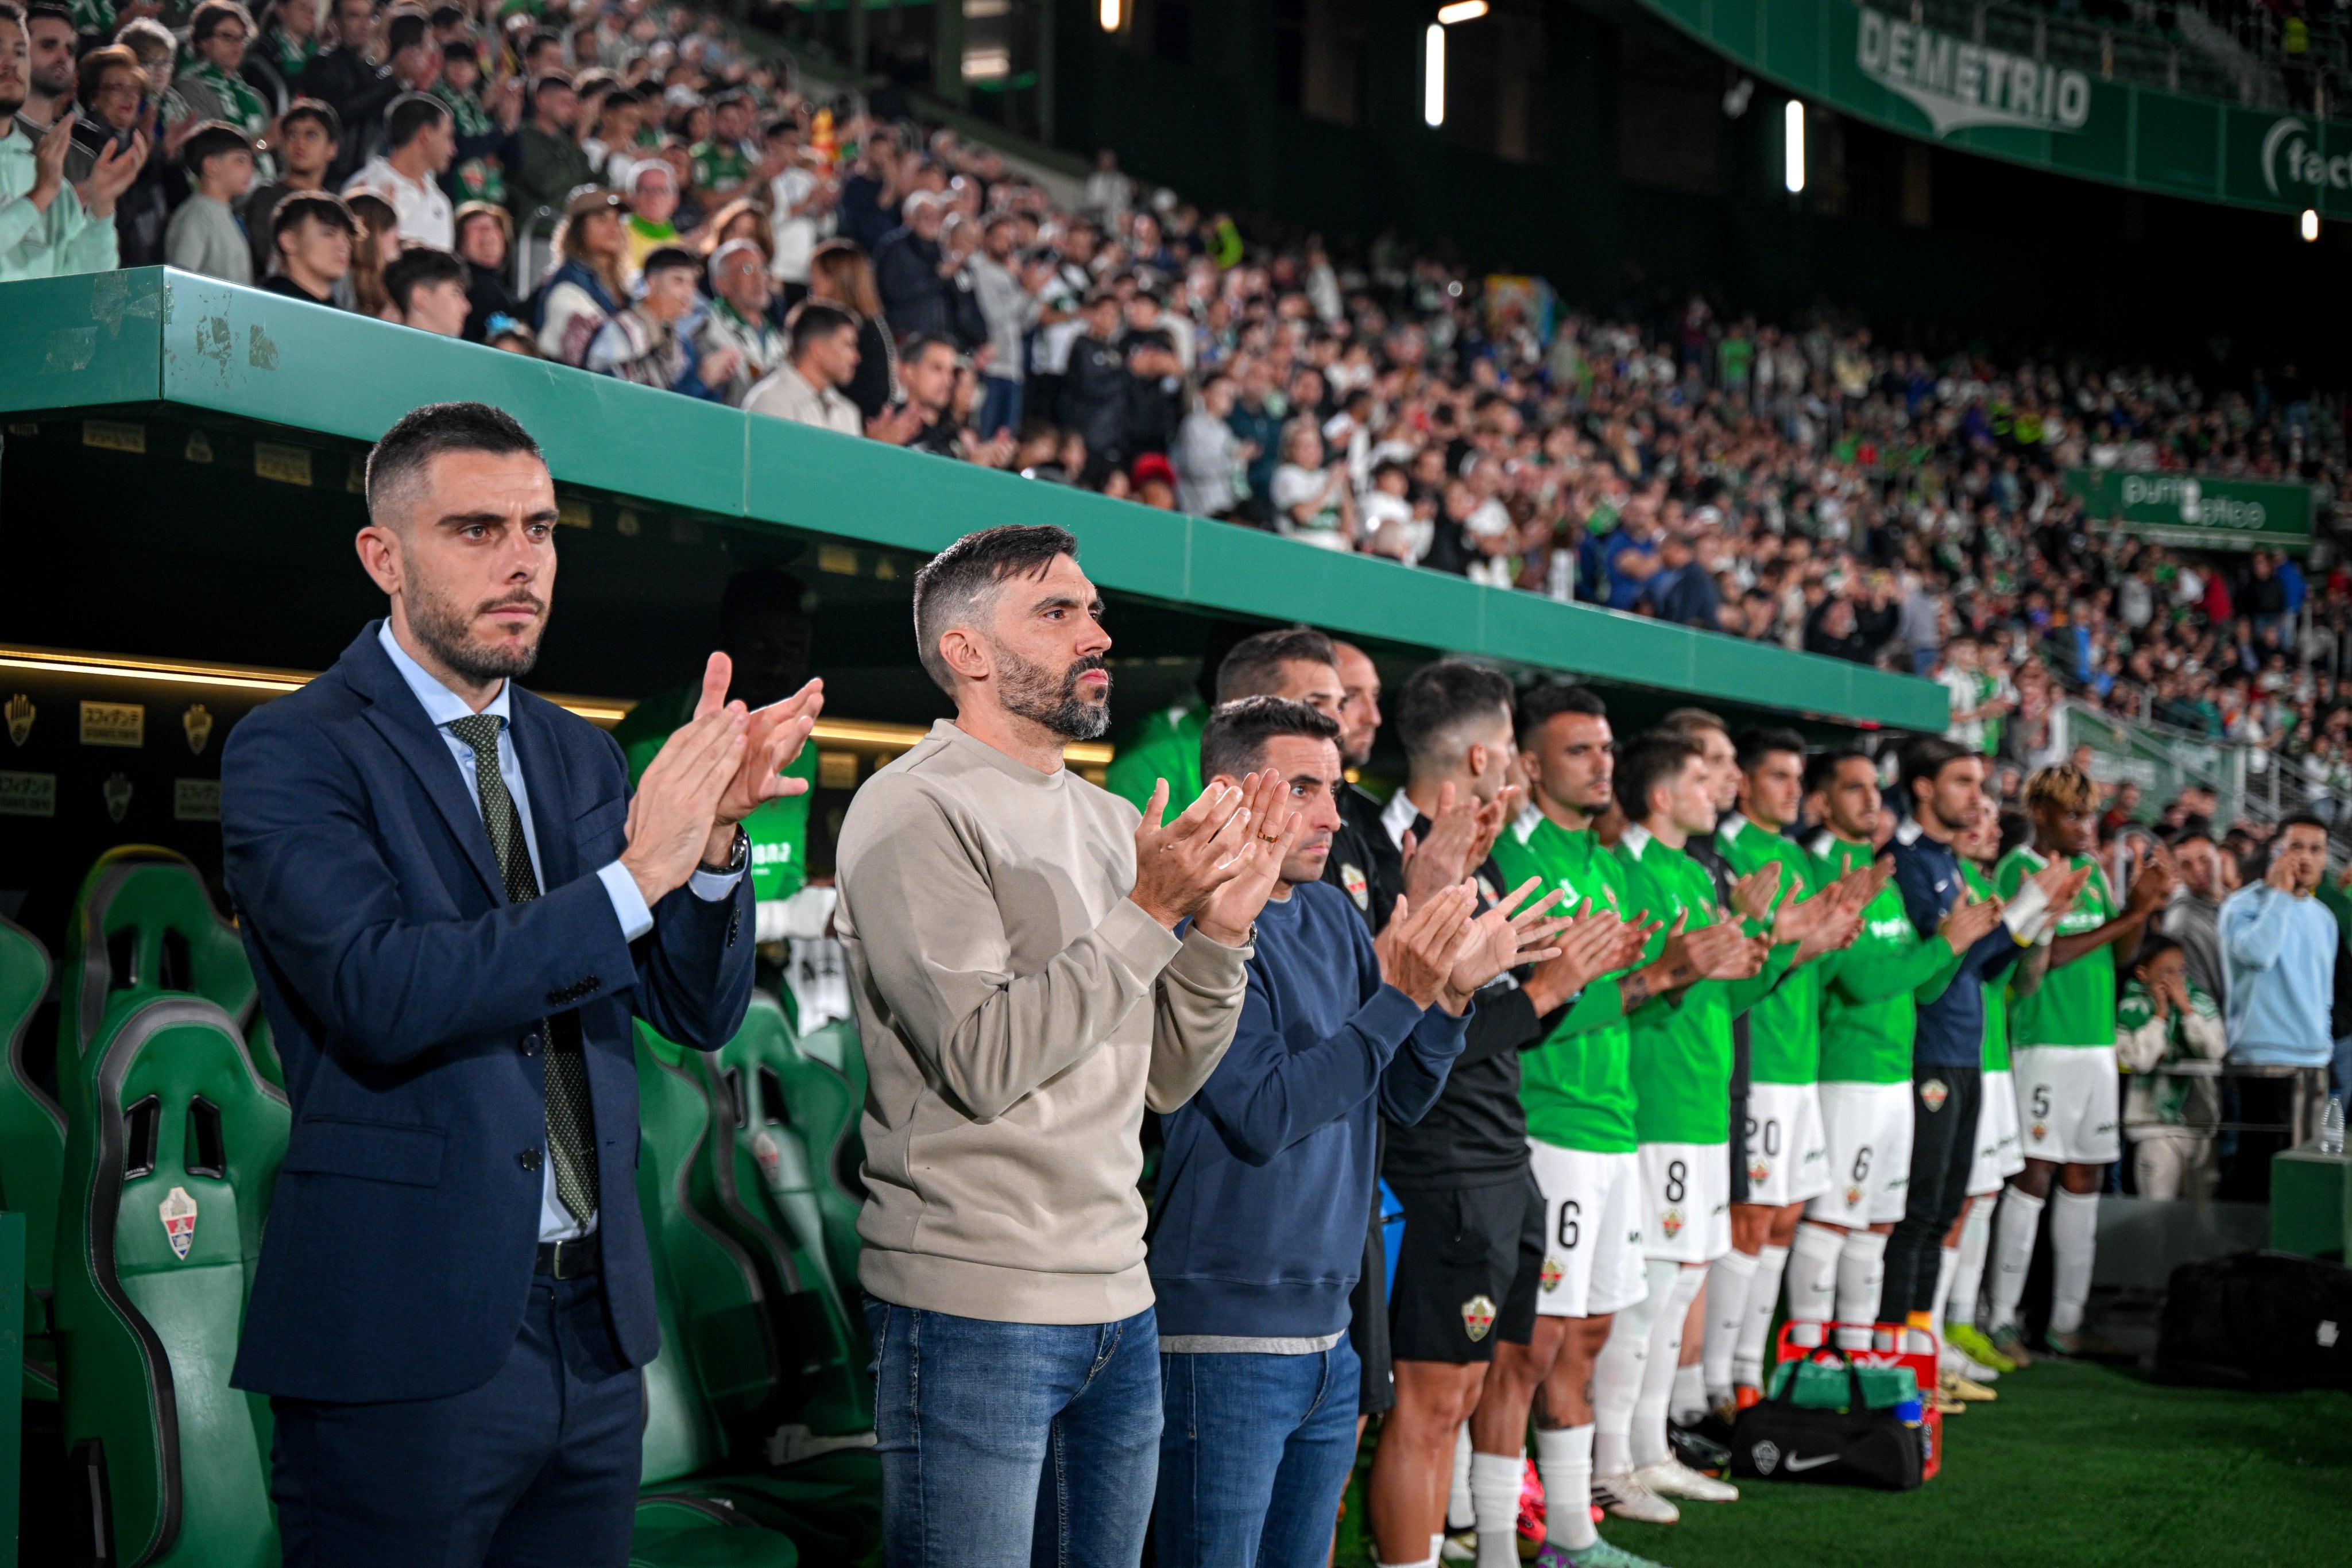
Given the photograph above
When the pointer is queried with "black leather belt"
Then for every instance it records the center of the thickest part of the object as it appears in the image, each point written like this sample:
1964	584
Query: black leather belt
569	1259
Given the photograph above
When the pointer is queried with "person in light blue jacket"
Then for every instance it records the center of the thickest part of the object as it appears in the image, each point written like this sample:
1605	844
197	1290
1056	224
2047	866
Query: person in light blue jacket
2278	945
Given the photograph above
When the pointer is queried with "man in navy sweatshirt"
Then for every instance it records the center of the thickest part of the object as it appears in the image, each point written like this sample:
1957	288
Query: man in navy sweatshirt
1944	783
1259	1231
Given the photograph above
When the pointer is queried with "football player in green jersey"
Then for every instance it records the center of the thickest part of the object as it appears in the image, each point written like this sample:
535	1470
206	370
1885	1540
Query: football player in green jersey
1680	1072
2063	1048
1781	1145
1578	1092
1839	1256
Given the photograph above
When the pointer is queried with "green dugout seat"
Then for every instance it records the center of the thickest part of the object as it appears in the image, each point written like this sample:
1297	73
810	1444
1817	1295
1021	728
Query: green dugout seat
168	1174
766	1188
144	920
32	1146
721	1383
830	1128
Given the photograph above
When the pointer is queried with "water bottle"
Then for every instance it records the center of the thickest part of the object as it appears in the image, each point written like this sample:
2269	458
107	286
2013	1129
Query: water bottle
2331	1126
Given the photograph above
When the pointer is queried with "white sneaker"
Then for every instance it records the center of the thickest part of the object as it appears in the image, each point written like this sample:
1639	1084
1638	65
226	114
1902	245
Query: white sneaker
1623	1495
1462	1546
1956	1360
1672	1477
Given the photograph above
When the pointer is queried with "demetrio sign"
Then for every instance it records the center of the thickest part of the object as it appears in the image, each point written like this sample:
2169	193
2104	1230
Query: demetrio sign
1881	66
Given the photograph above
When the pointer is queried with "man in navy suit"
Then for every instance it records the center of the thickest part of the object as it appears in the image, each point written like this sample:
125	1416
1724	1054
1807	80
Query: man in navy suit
455	907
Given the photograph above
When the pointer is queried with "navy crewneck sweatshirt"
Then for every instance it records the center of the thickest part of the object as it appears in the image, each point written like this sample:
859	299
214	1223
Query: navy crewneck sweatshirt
1259	1231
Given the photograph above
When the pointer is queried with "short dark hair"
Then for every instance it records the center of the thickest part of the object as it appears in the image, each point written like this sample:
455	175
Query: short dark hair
300	204
1927	757
919	344
49	11
460	50
424	433
1236	733
552	81
407	30
1438	698
214	139
411	114
317	110
813	322
448	15
2299	819
1653	759
1547	700
952	584
670	259
1756	745
418	265
1253	666
1821	771
2153	947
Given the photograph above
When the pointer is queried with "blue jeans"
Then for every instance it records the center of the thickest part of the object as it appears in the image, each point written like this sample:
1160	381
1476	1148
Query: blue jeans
1006	1444
1254	1458
1000	407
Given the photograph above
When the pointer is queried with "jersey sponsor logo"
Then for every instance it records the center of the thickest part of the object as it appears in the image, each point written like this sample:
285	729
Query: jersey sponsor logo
1351	877
178	1211
1889	930
1477	1316
1933	1094
1672	1222
1552	1273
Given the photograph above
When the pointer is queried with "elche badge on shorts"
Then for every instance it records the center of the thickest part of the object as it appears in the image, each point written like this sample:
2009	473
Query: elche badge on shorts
1477	1316
1552	1273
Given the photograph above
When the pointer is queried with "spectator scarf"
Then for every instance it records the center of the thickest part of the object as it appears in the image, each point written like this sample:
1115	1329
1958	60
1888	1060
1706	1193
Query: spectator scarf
293	55
237	101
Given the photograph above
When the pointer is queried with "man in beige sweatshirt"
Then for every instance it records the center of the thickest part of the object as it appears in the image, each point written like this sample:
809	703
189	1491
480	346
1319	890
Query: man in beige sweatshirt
1011	932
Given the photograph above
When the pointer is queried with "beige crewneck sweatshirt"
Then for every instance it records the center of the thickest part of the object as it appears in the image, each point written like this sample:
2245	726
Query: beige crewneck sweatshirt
1018	1013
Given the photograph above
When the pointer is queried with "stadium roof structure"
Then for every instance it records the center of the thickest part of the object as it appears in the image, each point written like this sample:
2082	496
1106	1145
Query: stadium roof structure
157	339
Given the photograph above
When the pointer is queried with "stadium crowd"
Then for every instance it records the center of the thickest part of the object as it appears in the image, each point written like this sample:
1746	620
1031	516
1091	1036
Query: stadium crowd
718	234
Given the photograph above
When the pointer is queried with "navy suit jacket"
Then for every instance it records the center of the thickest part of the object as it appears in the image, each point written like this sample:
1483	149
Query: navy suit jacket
405	995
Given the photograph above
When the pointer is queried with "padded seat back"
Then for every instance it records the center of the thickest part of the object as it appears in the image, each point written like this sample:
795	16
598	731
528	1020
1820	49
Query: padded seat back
32	1128
821	1077
143	920
760	1187
169	1169
717	1361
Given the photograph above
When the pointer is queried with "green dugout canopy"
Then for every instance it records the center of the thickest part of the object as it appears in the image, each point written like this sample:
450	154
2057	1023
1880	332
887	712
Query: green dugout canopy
1893	65
183	453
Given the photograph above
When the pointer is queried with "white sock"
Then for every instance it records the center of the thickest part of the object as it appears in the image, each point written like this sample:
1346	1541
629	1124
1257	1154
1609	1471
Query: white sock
1617	1374
1968	1280
1861	1272
1428	1561
2073	1241
1812	1275
1947	1269
1564	1465
1756	1326
2012	1253
1495	1497
1728	1284
1458	1506
1437	1547
1647	1439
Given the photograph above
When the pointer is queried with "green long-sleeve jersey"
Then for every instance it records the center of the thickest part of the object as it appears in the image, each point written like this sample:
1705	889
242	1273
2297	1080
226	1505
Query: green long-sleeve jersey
1868	1010
1784	1028
1576	1087
1681	1051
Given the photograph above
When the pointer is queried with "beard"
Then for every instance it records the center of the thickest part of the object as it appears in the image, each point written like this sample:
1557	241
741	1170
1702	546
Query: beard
449	632
1032	691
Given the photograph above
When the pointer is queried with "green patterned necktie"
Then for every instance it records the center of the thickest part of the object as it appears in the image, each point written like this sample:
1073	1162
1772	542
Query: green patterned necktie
569	1142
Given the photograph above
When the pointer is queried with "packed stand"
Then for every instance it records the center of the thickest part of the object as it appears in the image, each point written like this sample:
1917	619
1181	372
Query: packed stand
714	233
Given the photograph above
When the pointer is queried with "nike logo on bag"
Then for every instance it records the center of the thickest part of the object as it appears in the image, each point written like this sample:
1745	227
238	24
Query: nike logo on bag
1793	1464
